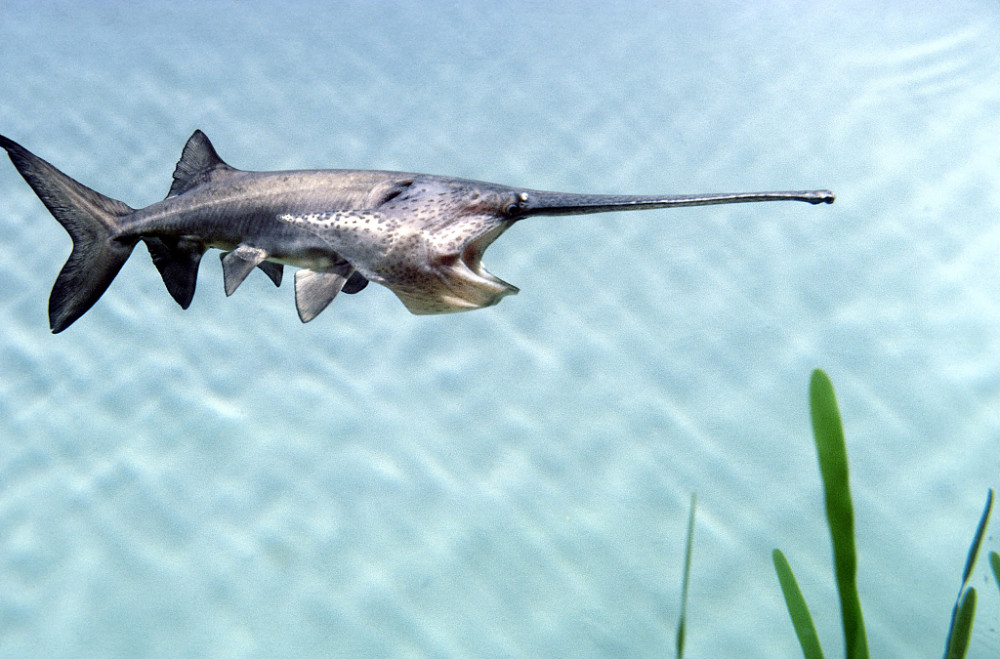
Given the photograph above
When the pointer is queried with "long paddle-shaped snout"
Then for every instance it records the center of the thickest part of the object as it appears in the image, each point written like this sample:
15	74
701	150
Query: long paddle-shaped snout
562	203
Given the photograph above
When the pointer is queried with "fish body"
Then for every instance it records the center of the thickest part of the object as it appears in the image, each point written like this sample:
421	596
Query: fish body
422	236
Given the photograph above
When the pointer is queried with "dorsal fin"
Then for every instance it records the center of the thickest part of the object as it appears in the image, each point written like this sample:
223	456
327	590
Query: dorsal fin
199	163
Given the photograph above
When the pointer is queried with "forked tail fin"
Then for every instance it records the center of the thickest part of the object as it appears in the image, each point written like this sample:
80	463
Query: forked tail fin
93	222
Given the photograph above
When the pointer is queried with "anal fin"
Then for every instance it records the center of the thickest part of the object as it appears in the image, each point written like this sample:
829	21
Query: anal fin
177	261
314	291
237	264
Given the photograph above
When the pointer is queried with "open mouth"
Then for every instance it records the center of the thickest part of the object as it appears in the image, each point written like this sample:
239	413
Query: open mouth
455	282
471	284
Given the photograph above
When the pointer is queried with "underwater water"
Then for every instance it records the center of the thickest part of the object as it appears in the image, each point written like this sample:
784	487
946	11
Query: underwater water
511	482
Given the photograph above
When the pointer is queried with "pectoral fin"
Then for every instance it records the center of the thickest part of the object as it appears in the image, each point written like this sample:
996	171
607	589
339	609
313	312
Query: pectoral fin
273	270
237	264
315	290
355	283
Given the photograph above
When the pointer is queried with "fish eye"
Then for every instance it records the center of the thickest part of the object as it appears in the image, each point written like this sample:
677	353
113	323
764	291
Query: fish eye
514	208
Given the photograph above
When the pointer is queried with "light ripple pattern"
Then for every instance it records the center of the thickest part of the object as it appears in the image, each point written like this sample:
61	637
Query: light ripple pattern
513	482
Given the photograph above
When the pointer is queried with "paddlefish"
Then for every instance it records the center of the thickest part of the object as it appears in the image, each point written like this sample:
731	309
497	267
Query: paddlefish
422	236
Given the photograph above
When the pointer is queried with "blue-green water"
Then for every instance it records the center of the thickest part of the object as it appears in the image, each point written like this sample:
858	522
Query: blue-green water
512	482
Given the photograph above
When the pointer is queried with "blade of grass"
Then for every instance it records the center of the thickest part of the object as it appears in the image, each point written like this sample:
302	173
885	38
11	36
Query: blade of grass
995	566
961	617
798	611
829	435
977	540
682	622
958	637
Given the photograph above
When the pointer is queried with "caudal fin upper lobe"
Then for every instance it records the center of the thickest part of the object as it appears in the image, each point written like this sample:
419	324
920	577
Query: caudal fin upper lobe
92	220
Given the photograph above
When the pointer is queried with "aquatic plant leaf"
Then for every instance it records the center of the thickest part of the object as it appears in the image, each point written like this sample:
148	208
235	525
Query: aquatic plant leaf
958	637
682	622
798	611
958	623
995	566
829	435
977	540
